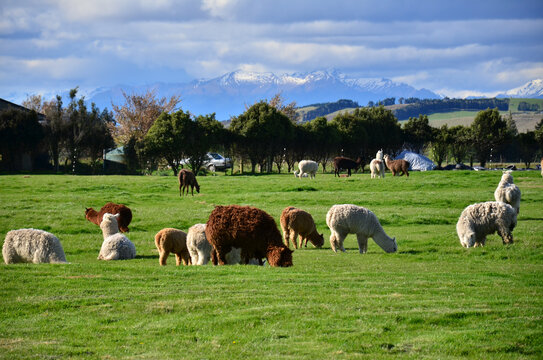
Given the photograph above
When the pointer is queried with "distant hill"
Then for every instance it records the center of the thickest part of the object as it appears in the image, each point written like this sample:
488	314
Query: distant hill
314	111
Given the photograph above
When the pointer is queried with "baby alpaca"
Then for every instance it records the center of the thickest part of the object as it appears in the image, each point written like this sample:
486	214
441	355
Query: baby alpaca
170	240
197	244
116	246
300	222
508	192
32	246
482	219
352	219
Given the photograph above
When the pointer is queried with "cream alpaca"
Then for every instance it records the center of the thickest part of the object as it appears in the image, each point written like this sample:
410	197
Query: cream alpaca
32	246
116	246
197	244
508	192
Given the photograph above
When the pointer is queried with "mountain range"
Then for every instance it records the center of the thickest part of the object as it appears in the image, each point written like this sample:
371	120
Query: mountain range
230	94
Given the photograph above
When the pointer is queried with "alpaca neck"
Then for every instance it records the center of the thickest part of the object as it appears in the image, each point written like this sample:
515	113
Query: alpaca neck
109	230
92	216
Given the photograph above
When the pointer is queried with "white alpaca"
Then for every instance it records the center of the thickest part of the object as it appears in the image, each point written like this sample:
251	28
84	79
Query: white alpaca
377	166
482	219
309	167
197	244
508	192
116	246
351	219
32	246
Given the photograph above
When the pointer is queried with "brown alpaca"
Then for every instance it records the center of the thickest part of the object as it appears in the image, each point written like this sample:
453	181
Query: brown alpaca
397	166
170	240
186	179
343	163
251	229
124	219
300	222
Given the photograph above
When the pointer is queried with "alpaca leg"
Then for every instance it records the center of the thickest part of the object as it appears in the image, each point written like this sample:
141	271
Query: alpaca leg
286	237
295	239
194	257
163	257
333	241
185	257
203	259
362	243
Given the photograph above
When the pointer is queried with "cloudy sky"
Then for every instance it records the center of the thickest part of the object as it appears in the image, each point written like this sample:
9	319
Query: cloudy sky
452	47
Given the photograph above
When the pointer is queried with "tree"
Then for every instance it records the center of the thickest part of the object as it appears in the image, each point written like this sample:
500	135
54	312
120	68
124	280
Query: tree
538	133
527	147
352	132
418	132
33	102
205	133
54	128
98	137
325	142
289	110
460	140
383	129
489	131
439	146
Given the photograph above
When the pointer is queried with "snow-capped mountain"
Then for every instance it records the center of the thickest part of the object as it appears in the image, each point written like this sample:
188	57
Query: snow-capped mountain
229	94
532	89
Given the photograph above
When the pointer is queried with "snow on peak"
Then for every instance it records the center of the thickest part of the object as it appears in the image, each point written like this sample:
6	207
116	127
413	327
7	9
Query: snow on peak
532	88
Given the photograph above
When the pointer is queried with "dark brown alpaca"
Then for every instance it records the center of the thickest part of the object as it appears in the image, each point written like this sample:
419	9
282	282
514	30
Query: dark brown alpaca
125	215
397	166
343	163
251	229
297	221
186	179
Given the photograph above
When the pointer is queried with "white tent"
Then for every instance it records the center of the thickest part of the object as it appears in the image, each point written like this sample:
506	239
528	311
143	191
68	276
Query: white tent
416	161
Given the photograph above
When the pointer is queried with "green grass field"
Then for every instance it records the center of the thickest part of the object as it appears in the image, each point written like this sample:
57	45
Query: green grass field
432	299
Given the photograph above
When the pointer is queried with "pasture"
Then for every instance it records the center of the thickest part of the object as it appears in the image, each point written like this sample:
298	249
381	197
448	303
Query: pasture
432	299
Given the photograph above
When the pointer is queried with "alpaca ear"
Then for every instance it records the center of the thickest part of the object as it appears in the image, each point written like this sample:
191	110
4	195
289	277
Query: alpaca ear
117	215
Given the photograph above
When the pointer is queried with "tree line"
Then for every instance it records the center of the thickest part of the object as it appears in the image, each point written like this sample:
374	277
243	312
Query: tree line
157	133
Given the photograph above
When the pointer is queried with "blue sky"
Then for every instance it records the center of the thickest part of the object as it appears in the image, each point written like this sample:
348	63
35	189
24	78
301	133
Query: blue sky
455	48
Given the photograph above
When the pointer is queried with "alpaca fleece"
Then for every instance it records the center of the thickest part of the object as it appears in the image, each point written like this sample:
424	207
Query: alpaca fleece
32	246
198	246
397	166
170	240
482	219
296	221
309	167
251	229
124	219
508	192
351	219
116	246
377	168
187	178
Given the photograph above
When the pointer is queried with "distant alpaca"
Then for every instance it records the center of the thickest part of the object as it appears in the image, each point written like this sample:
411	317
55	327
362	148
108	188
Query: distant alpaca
299	222
124	219
508	192
186	179
351	219
116	246
309	167
343	163
170	240
397	166
251	229
32	246
377	166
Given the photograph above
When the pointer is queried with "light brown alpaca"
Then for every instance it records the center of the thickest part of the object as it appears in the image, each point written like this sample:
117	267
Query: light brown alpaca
170	240
296	221
186	179
397	166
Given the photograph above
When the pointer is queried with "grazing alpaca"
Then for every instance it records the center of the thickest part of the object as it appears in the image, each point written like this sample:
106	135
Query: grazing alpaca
251	229
343	163
397	166
32	246
508	192
186	179
300	222
170	240
308	167
352	219
124	219
116	246
197	244
482	219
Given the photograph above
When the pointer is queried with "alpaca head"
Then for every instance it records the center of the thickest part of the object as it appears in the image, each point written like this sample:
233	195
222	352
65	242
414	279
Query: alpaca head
109	224
317	240
387	243
88	212
197	188
379	155
507	177
279	256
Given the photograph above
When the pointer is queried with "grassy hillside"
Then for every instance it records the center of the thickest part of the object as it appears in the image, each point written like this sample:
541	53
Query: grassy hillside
431	299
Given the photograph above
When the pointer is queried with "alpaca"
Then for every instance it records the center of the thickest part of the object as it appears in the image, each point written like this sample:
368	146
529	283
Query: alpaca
170	240
351	219
32	246
197	245
251	229
124	219
299	222
234	257
308	167
186	178
116	246
482	219
397	166
347	164
377	166
508	192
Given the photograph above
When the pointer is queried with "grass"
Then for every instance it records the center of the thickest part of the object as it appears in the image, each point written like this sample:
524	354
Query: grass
432	299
